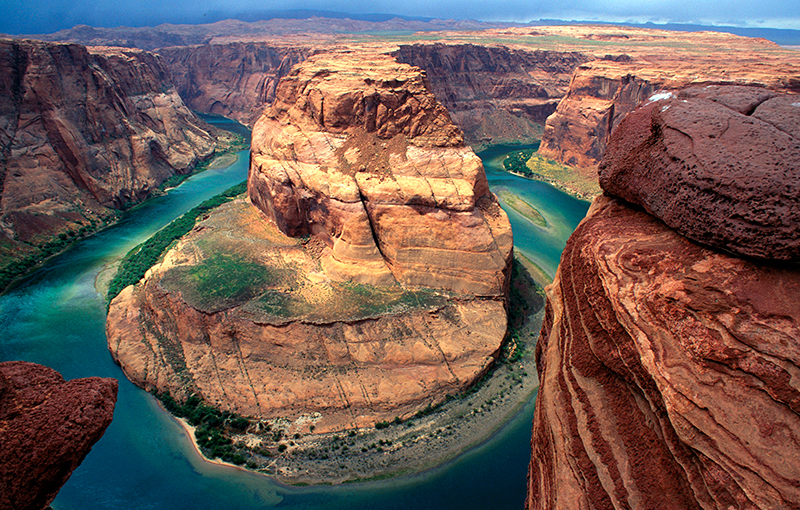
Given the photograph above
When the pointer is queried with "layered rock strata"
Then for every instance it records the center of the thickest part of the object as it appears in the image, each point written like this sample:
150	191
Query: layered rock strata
83	131
603	91
357	151
368	281
495	94
235	80
48	426
668	369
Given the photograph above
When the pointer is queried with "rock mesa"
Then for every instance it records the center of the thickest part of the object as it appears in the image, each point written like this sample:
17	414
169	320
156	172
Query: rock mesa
669	369
364	278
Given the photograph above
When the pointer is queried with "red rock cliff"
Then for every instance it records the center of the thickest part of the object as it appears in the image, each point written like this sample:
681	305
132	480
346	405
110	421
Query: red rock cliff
495	94
84	130
668	369
357	151
235	80
48	426
606	89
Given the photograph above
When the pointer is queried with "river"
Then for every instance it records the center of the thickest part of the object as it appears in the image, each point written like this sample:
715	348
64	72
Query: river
145	461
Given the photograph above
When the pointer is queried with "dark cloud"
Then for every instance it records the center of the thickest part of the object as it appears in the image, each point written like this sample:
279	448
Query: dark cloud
41	16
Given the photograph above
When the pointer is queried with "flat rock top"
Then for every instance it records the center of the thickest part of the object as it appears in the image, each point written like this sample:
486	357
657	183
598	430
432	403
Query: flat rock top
237	260
721	165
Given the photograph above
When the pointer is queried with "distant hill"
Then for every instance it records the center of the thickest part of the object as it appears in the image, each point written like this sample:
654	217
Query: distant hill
782	36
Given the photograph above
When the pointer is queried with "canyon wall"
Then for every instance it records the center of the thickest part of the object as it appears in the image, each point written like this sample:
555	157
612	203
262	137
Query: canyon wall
235	80
364	278
48	427
82	132
669	369
495	94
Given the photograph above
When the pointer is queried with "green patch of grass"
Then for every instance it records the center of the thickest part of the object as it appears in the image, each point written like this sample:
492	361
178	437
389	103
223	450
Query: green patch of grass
136	263
533	166
522	207
220	281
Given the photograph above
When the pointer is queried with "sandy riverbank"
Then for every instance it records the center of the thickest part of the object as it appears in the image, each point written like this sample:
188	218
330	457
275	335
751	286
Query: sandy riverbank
411	446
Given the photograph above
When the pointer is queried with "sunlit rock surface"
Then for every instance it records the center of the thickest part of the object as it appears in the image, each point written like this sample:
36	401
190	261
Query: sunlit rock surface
364	278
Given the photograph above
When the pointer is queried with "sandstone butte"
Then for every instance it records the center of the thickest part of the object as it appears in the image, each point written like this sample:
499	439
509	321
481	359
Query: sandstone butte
84	131
669	369
48	426
364	278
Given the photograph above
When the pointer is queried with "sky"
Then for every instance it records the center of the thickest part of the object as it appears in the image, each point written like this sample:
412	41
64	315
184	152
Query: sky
44	16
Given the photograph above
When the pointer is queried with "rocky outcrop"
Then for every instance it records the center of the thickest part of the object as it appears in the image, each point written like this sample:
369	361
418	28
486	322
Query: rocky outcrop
246	318
48	426
668	369
357	151
83	131
721	165
368	281
235	80
609	87
495	94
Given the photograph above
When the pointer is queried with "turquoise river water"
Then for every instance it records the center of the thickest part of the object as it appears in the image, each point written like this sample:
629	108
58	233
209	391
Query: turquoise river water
145	461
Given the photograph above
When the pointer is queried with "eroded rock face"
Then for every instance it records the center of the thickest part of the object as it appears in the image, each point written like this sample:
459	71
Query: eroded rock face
246	318
668	374
495	94
47	426
235	80
357	151
84	130
609	87
364	278
719	164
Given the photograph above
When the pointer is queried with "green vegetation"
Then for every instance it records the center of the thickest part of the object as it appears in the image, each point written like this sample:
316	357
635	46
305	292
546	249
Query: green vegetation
136	263
347	301
220	281
522	207
213	427
533	166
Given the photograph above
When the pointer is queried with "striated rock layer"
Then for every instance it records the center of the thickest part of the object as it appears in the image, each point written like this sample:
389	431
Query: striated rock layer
365	277
47	426
495	94
719	164
643	62
668	374
235	80
357	151
84	130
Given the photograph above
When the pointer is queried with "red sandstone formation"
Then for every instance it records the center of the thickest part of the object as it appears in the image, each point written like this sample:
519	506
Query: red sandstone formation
357	151
235	80
603	91
495	94
669	370
83	130
712	171
47	426
393	298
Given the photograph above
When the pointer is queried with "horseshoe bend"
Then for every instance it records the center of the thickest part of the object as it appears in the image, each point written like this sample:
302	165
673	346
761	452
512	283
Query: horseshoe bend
363	278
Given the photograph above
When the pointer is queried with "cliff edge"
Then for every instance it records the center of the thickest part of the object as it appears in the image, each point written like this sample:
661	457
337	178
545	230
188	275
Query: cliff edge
669	368
48	426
